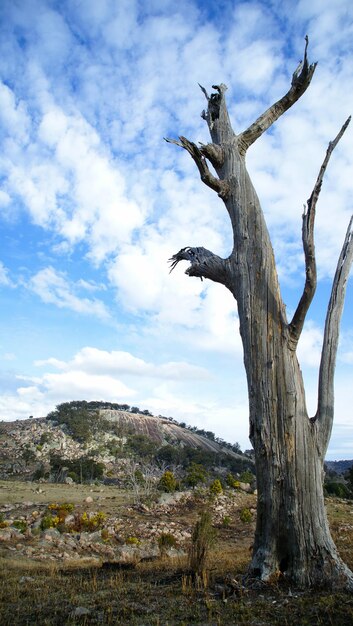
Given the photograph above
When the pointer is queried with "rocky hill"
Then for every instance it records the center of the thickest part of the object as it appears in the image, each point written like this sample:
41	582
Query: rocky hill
80	437
339	467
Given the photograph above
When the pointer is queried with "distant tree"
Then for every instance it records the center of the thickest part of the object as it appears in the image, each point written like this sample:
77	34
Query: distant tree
81	420
171	455
142	478
82	469
246	477
142	446
195	474
350	478
336	488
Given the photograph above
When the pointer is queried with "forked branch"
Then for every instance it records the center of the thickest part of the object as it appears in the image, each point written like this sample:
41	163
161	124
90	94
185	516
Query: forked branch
300	82
297	323
203	264
220	186
330	344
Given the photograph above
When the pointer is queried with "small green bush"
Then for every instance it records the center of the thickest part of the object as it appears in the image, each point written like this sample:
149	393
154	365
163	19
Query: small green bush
216	487
168	482
45	438
232	482
87	522
105	534
20	524
195	474
49	521
74	476
226	521
246	477
40	472
246	515
166	541
61	511
132	541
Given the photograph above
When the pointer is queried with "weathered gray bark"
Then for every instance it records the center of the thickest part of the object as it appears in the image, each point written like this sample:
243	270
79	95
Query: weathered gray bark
292	534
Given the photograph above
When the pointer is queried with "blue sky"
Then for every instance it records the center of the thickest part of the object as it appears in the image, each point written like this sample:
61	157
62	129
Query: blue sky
93	202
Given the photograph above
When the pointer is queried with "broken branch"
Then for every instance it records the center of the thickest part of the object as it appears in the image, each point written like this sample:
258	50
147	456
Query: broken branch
220	186
297	323
203	264
300	82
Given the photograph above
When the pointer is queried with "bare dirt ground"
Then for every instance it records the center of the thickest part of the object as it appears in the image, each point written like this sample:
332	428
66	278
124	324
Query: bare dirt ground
80	578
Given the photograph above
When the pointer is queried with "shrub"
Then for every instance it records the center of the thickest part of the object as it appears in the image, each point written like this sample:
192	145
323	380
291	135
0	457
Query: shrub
45	438
203	537
216	487
88	522
3	522
49	521
166	541
232	482
40	472
28	455
340	490
20	524
132	541
61	510
168	482
195	474
246	515
246	477
226	521
74	476
105	534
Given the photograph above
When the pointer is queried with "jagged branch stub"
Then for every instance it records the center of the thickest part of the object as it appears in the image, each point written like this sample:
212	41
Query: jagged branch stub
220	186
203	264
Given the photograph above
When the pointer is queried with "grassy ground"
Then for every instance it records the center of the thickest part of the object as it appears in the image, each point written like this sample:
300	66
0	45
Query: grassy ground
160	592
108	498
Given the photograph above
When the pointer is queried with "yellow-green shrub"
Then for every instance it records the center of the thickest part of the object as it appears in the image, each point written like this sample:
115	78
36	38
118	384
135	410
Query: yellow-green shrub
216	487
246	515
132	541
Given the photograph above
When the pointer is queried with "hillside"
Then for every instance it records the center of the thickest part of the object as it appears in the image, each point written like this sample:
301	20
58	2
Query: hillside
99	441
339	467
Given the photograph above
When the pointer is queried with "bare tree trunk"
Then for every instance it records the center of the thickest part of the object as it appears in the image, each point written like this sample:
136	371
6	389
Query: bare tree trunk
292	534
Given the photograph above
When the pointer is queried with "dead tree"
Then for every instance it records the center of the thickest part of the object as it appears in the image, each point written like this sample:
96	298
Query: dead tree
292	534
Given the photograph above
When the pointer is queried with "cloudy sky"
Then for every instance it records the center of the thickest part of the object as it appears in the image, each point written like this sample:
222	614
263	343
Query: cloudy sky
93	202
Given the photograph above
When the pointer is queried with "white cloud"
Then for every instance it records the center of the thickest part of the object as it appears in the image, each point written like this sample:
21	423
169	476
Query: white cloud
13	115
89	92
79	384
53	287
4	276
310	345
92	360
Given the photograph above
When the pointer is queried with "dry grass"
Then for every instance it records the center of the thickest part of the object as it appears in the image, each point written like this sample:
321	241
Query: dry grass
159	593
108	497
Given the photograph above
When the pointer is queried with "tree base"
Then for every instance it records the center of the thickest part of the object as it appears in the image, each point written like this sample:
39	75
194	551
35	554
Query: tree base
332	574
